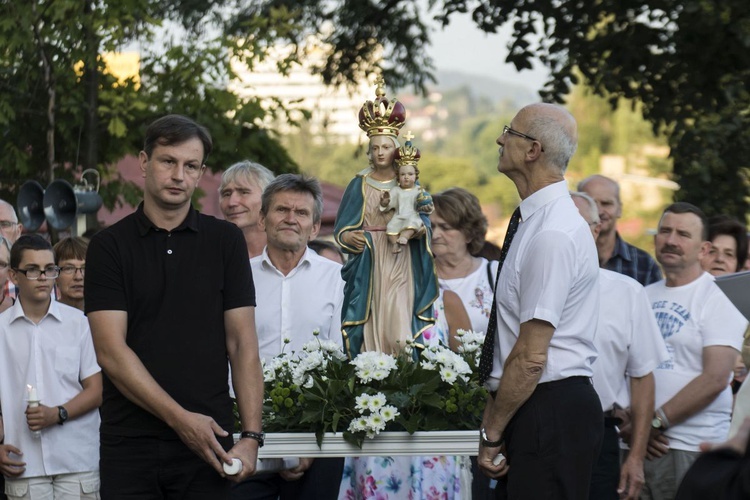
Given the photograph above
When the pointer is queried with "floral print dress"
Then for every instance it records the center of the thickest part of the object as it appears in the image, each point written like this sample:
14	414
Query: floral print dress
407	477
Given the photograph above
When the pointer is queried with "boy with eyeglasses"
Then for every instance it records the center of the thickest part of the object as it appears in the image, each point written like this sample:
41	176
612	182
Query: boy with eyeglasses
50	386
70	257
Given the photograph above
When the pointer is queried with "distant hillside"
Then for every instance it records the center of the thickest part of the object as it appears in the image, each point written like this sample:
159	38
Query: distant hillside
483	86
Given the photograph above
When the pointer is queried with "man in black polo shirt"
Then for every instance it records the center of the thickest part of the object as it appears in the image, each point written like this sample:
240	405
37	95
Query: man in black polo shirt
170	297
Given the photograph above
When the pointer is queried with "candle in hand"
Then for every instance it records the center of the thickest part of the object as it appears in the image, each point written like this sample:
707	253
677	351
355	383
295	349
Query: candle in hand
32	393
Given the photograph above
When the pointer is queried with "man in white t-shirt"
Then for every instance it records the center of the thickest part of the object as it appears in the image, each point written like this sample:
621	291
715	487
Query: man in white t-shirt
630	347
51	447
298	292
703	332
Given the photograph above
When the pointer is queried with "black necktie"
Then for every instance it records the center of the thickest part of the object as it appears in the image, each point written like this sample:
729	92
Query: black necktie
488	349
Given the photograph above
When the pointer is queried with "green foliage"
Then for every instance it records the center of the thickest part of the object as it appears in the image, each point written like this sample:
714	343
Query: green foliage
53	119
685	64
322	391
361	38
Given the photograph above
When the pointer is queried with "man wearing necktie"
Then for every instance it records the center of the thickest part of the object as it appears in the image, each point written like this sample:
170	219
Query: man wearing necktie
544	415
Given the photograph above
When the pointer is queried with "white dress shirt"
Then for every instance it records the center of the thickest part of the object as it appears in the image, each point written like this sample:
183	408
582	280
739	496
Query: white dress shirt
52	356
293	306
550	274
628	340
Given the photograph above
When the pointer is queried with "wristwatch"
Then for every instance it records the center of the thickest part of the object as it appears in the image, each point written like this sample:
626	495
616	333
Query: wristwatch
62	415
260	437
484	441
658	423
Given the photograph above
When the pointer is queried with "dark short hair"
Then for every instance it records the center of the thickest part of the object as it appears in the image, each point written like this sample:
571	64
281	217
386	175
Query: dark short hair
462	211
723	224
27	242
72	247
319	245
176	129
683	207
299	184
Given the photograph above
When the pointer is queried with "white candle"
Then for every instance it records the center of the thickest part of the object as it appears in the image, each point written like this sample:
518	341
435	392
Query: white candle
33	403
233	469
32	393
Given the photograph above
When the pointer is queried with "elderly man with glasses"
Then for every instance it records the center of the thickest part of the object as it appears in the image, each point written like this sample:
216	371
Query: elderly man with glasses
10	229
543	415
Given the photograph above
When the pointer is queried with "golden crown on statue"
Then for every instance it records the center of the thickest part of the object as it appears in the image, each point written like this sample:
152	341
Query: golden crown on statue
408	154
381	116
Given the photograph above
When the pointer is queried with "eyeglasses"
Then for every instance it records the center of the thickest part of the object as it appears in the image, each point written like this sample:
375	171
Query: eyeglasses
508	130
71	270
50	272
7	224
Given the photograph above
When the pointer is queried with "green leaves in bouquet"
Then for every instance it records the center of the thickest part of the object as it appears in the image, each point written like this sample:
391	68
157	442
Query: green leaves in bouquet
321	391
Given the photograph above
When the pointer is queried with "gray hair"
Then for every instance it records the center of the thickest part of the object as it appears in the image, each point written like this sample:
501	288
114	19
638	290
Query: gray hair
593	209
248	171
12	210
559	146
297	183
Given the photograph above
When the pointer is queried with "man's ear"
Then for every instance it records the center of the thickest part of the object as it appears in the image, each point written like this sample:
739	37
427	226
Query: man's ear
705	249
315	231
13	275
143	160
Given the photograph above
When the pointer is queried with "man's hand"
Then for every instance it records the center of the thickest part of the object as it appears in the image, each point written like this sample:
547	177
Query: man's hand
199	433
492	461
297	472
247	451
8	466
354	239
631	478
658	445
41	417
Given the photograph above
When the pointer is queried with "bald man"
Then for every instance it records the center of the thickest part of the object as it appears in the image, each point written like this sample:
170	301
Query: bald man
543	414
614	253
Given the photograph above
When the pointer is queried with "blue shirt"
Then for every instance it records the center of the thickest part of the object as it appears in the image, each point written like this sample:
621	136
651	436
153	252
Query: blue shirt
632	261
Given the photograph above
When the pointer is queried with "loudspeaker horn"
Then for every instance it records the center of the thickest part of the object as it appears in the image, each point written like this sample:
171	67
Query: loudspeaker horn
60	205
30	203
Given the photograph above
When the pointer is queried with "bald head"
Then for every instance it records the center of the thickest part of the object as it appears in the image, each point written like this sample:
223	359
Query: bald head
606	193
9	226
554	127
600	180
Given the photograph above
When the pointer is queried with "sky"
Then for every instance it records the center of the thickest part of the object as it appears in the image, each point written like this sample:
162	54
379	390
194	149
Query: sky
464	47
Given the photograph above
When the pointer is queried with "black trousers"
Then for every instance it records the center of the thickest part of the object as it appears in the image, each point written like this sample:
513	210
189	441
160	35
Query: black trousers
552	443
606	474
147	468
320	482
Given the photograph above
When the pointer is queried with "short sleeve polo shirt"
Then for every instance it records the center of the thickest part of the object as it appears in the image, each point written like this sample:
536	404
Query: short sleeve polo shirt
175	287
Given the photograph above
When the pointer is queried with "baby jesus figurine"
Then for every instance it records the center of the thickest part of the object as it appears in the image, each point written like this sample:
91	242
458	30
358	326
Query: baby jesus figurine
408	199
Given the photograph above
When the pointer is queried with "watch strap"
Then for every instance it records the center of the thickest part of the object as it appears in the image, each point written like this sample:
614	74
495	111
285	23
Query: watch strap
260	437
62	415
484	441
